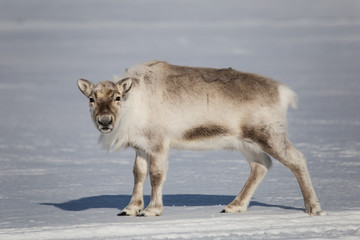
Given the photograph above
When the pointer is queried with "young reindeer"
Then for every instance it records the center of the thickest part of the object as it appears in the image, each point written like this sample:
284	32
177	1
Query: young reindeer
158	106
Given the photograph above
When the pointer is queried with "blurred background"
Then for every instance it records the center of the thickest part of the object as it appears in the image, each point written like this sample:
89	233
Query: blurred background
48	146
306	44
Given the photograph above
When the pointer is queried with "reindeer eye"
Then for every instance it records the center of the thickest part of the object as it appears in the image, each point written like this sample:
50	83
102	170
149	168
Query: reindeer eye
117	99
91	99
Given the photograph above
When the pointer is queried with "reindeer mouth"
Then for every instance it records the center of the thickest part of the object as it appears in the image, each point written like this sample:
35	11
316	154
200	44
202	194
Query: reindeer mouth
105	129
105	123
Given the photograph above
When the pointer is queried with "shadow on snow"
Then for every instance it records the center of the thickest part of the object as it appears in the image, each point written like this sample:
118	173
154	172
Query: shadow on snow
120	201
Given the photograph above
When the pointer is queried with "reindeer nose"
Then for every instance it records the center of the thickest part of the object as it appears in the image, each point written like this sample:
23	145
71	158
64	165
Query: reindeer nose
105	120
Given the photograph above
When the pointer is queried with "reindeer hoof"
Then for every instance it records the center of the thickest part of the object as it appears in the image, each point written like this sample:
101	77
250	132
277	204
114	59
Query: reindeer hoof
313	209
148	214
123	214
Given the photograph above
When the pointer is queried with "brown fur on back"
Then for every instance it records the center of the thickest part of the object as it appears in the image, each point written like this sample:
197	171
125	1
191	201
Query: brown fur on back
182	82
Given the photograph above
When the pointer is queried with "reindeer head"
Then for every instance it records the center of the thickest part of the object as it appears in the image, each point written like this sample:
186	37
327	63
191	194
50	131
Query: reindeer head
105	101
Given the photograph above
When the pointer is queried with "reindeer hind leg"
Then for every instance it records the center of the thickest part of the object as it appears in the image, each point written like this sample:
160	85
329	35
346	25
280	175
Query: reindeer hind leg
277	145
259	163
296	162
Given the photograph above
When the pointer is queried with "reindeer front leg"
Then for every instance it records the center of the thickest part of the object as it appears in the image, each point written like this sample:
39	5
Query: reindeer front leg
140	171
157	170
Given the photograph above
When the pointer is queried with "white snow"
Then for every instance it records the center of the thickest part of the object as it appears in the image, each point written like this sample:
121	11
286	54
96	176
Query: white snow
57	183
256	225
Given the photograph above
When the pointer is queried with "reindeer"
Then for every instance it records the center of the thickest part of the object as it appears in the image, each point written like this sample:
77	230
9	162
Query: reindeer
157	106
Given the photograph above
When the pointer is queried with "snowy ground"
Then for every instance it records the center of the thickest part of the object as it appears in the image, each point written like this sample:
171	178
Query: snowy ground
56	182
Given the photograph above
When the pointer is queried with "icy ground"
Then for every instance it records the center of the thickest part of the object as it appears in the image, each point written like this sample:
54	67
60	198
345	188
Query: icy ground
56	182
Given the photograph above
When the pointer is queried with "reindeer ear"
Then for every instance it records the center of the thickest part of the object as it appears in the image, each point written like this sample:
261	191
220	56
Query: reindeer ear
125	85
85	86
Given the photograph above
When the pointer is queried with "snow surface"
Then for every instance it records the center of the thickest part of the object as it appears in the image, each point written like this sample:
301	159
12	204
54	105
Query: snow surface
56	182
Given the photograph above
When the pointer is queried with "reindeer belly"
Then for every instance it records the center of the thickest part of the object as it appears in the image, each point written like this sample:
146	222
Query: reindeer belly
210	143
